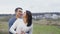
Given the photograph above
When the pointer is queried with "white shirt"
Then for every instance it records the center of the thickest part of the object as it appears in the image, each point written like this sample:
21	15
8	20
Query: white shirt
19	25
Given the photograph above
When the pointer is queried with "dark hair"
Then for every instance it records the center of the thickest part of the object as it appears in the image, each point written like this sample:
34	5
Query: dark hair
29	17
18	8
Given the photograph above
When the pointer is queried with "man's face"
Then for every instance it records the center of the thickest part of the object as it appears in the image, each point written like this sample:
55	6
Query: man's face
19	12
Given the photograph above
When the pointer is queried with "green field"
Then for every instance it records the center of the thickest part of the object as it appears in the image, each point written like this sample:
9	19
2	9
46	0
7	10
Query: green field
45	29
37	29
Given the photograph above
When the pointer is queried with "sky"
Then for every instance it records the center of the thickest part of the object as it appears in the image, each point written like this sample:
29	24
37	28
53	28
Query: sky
35	6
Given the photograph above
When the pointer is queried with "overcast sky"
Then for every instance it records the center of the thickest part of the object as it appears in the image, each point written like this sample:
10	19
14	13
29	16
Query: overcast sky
35	6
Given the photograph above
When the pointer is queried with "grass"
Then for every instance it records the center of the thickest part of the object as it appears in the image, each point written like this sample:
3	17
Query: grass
3	27
45	29
37	29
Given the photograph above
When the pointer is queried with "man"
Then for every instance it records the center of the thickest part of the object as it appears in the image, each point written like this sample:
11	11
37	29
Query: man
18	13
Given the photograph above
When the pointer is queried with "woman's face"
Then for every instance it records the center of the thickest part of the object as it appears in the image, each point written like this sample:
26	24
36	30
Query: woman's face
24	15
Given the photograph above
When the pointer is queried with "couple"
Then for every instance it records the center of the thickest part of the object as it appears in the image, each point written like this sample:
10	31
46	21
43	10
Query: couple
21	23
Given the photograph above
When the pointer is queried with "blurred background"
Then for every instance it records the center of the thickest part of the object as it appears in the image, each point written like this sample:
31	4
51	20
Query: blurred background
43	23
45	14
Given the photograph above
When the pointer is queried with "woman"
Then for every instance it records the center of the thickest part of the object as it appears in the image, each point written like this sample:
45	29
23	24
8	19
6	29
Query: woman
23	26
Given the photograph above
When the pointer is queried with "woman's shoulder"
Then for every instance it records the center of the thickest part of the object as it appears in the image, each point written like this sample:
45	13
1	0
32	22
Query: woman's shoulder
30	27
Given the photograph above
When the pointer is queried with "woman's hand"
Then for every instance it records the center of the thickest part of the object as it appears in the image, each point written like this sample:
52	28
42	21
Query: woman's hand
16	33
22	32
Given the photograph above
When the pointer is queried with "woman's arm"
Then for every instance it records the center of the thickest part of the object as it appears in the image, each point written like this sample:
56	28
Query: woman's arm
13	27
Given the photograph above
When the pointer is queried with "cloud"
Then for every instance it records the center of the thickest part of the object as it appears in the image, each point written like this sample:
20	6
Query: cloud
8	6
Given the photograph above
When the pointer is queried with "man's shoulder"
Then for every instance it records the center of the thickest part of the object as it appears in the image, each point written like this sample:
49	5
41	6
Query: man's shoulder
12	18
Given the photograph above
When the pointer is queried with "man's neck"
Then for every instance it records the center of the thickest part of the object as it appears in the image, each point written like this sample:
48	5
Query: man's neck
17	17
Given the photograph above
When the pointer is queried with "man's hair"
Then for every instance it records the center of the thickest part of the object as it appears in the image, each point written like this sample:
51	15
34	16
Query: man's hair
18	8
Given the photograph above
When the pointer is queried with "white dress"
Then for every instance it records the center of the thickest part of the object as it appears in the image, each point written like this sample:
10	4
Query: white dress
19	25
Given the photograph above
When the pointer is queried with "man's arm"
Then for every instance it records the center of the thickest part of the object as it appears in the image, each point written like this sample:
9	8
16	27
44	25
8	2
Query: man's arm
10	23
13	27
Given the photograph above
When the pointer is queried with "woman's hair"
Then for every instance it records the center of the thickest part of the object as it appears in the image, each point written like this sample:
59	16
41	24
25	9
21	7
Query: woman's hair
29	18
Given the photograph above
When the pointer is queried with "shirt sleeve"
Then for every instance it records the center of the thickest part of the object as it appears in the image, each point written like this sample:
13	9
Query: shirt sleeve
13	27
10	22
